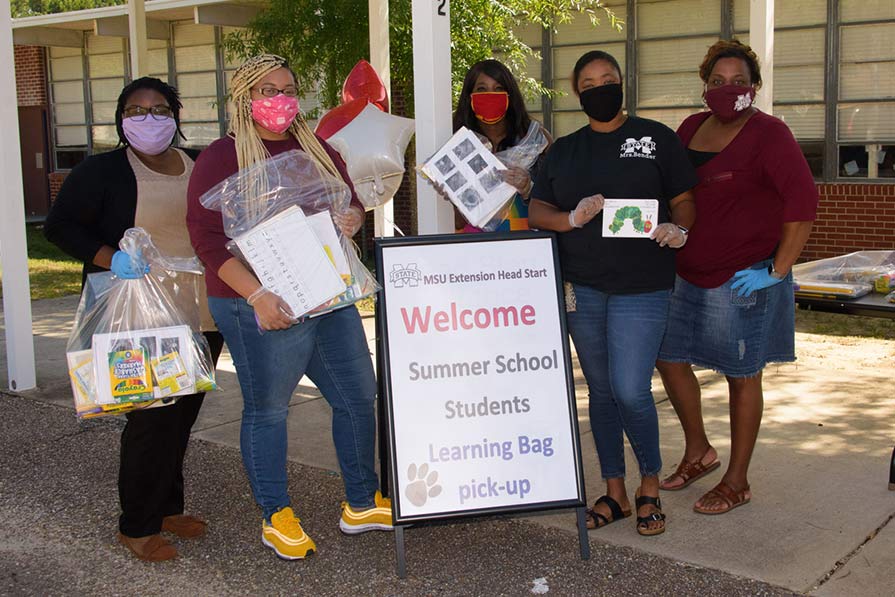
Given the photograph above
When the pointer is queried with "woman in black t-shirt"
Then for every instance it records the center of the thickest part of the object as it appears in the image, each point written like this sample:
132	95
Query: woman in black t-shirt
618	276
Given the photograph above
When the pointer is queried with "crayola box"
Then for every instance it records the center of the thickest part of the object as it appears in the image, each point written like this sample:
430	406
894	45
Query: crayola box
130	379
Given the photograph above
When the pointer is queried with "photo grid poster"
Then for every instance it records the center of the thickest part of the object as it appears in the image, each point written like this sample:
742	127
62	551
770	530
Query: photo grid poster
471	177
479	393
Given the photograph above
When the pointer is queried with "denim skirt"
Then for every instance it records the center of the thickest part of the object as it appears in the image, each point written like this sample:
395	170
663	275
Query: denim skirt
717	329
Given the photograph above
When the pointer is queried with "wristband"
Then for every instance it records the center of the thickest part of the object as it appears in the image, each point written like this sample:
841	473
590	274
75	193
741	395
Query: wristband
572	220
253	298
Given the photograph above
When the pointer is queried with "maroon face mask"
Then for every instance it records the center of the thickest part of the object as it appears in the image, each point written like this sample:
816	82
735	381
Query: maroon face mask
728	102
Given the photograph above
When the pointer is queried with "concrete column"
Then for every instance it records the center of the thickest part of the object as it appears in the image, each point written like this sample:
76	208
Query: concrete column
136	17
432	100
383	217
13	249
761	38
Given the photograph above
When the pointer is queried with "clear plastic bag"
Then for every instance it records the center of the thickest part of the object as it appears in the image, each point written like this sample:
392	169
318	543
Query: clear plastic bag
522	155
525	153
268	193
847	276
135	343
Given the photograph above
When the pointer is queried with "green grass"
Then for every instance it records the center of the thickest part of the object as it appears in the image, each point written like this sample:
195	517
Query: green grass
52	272
837	324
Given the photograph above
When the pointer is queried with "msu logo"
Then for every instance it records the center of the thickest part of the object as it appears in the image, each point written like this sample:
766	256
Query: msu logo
644	147
401	276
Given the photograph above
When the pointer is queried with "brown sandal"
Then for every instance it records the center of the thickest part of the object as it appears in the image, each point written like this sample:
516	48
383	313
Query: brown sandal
689	472
726	494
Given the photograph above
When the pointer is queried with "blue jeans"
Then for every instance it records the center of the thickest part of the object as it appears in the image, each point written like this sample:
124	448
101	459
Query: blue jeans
617	337
332	351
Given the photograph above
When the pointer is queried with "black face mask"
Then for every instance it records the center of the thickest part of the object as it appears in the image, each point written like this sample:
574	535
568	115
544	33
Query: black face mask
602	103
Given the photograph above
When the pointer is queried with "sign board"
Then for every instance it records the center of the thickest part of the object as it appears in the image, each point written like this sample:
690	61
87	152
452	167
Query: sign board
475	370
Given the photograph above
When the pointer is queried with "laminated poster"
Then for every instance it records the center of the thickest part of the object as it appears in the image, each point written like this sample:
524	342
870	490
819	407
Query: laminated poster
471	177
630	218
290	260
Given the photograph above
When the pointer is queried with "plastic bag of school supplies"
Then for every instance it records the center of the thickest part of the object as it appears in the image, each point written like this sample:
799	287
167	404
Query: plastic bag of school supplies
135	342
847	276
278	215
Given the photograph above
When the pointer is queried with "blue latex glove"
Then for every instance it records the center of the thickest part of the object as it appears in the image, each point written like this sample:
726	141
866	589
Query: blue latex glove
128	268
750	280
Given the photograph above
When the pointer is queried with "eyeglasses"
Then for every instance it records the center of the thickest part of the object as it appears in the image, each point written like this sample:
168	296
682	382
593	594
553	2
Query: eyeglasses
139	113
273	91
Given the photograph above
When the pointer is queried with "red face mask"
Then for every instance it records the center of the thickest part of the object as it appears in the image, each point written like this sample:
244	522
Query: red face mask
490	106
727	103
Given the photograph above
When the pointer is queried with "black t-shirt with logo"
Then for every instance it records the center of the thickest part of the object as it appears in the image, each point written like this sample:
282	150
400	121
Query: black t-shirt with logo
642	159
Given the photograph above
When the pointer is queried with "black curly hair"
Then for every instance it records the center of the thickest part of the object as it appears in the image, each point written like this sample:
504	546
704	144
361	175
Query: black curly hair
169	92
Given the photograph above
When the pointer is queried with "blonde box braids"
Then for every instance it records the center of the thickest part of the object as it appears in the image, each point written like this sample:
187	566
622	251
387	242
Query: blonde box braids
250	149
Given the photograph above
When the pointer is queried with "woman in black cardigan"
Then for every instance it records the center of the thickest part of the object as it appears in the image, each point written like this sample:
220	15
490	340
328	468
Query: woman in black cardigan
141	184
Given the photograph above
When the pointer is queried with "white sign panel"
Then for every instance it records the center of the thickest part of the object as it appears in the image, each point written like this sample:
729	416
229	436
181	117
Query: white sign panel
477	376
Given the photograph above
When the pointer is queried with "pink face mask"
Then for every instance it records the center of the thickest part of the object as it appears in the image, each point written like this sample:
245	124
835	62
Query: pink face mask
275	113
728	102
151	135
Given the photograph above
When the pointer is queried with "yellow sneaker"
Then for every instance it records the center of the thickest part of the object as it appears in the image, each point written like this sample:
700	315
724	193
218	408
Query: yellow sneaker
377	518
285	536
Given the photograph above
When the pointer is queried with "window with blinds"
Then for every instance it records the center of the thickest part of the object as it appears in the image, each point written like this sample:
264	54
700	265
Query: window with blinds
672	37
571	41
106	70
196	65
67	95
865	111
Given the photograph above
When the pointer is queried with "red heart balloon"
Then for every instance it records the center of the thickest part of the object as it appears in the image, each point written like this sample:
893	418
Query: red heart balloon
363	82
338	117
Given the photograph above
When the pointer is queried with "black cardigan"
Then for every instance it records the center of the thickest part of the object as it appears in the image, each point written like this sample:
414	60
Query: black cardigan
95	206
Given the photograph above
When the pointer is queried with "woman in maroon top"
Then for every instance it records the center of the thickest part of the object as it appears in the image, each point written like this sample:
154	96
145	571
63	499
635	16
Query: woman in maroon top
732	309
331	348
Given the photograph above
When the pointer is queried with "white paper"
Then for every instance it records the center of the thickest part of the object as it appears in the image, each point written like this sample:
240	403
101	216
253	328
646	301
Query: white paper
471	177
290	261
325	230
630	218
155	342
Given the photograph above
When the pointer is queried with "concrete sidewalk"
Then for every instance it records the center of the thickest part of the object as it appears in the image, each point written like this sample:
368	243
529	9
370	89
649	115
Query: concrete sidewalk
819	521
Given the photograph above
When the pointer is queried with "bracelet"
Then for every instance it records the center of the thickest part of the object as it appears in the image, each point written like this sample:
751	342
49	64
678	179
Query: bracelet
253	298
572	220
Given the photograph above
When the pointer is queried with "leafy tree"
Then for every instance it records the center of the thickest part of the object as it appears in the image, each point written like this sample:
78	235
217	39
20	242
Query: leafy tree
27	8
324	39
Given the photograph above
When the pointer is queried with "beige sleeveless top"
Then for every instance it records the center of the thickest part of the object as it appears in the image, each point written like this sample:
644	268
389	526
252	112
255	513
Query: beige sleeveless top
161	211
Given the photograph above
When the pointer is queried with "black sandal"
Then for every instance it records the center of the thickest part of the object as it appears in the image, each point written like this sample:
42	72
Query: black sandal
595	520
643	521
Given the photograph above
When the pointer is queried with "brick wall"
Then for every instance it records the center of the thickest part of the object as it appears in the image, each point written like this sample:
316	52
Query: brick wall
852	217
31	76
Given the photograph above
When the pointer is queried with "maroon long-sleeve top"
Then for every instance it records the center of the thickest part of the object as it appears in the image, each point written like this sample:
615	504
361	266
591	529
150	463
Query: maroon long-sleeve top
206	227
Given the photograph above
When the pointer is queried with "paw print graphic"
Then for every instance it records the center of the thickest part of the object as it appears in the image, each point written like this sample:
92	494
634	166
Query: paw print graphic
423	484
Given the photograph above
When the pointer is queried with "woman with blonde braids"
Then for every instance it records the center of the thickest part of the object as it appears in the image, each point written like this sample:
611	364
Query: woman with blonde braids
330	349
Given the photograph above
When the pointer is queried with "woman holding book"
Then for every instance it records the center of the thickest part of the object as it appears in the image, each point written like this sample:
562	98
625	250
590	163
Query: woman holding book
142	184
331	348
492	106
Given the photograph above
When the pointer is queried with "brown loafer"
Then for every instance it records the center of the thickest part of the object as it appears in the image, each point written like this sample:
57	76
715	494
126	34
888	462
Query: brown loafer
149	549
184	526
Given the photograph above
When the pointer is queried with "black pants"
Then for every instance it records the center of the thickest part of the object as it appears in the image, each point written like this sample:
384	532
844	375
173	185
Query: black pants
153	444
